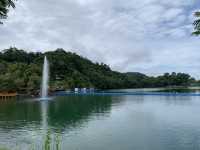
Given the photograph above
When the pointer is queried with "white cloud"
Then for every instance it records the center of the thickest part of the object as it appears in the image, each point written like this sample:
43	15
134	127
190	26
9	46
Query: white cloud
172	14
128	35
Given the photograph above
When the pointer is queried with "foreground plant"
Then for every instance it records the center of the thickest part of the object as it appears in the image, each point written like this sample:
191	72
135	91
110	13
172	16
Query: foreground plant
197	24
4	8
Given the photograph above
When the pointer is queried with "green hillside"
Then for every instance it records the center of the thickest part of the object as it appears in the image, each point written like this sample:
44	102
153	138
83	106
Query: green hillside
21	71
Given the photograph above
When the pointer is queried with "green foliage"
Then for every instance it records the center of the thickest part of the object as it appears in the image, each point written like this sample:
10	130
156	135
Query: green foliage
4	7
21	71
197	24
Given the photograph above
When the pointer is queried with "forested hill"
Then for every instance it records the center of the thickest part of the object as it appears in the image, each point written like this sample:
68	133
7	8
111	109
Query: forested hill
21	71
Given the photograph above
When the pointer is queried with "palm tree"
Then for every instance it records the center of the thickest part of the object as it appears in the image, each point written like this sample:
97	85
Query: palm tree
4	5
197	24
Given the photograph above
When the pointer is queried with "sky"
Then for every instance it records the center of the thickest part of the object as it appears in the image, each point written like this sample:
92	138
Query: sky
148	36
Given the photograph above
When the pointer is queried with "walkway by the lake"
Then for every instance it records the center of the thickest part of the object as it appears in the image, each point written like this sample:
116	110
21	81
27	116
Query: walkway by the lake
5	96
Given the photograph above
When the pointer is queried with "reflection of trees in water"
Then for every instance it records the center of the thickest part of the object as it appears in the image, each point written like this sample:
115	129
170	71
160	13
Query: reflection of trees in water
74	110
67	112
62	112
15	114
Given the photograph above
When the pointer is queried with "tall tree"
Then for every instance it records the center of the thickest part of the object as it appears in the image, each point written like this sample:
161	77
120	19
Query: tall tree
4	8
197	24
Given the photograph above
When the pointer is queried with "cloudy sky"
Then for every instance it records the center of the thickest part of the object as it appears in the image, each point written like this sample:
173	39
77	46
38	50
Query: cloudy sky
148	36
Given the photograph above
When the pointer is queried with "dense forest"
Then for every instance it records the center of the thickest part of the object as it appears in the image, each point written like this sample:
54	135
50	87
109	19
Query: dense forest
21	71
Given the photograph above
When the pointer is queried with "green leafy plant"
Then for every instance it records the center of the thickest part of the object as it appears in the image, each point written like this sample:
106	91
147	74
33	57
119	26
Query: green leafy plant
4	8
197	24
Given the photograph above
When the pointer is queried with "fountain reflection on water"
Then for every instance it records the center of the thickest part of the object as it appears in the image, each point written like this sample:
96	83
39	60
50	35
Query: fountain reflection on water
48	144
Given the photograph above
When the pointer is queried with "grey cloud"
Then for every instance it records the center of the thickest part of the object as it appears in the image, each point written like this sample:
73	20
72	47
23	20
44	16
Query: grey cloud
127	35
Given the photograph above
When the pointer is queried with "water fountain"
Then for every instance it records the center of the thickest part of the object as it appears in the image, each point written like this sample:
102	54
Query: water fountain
45	79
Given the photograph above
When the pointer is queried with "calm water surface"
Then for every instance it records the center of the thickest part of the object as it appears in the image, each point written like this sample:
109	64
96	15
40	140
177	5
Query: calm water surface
102	123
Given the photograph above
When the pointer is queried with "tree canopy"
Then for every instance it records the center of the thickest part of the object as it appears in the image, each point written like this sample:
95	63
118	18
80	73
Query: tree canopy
197	24
4	8
21	71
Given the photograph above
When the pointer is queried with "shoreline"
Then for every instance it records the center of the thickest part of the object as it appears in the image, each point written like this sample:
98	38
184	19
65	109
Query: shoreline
36	93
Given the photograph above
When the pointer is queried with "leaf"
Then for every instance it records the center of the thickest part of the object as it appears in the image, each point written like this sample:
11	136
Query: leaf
196	33
11	3
197	14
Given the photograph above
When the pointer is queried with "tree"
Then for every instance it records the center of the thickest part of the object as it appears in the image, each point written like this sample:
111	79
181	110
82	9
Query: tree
4	8
197	24
21	71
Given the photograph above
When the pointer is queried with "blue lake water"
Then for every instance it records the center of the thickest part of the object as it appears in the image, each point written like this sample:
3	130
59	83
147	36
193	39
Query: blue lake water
102	122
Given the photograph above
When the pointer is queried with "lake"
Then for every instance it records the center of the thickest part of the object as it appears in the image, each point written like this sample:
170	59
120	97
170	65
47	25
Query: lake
102	122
